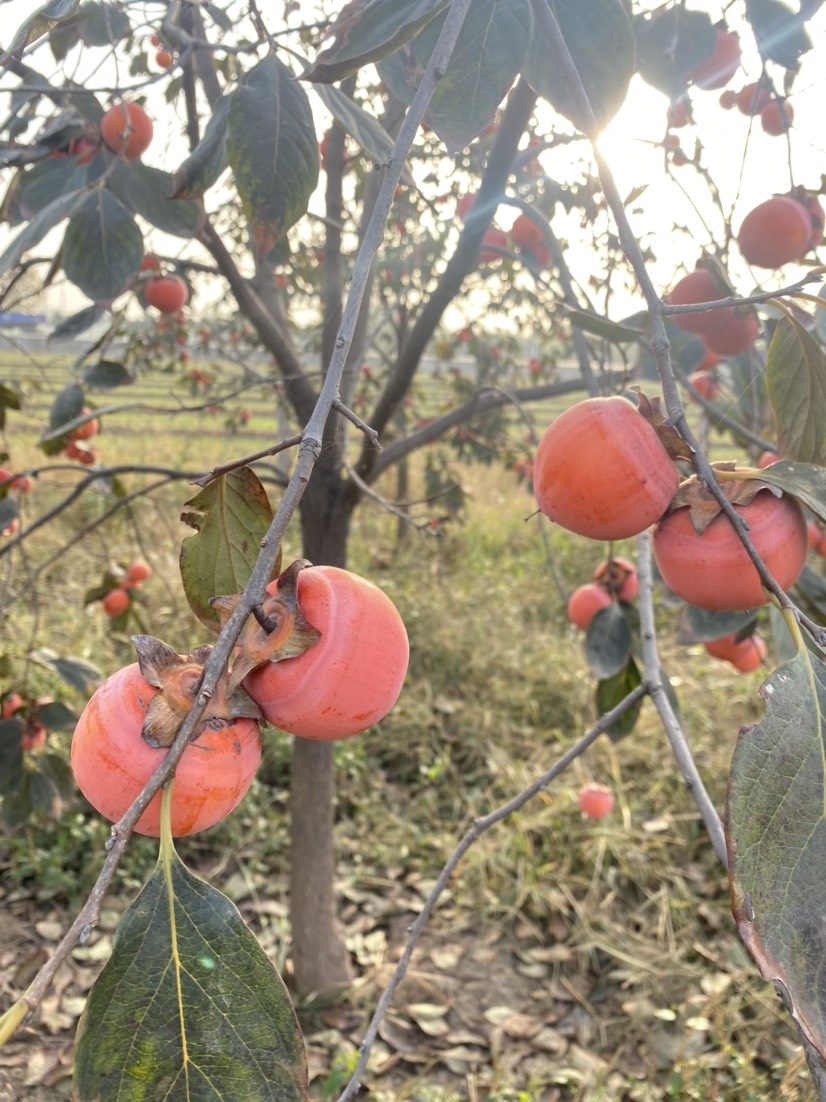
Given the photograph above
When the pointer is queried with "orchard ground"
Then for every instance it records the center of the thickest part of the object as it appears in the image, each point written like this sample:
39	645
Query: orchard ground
570	959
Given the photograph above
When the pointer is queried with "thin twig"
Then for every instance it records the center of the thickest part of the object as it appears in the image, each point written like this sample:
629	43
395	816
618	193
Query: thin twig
225	468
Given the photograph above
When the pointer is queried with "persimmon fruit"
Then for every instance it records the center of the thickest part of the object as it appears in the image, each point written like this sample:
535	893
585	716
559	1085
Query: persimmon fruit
88	429
585	602
713	571
351	677
164	59
705	385
776	117
601	470
775	232
115	602
126	129
596	801
493	243
139	571
526	233
699	286
753	97
111	762
618	577
736	336
166	293
716	70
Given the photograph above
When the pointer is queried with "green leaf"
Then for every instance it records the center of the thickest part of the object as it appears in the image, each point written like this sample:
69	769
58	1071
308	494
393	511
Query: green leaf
76	672
776	832
362	127
612	331
103	24
8	511
703	625
600	40
611	691
11	755
148	191
812	586
803	480
55	716
272	150
62	38
208	159
50	216
796	389
488	55
68	405
9	399
369	30
103	247
41	22
607	642
49	180
106	374
77	323
669	44
231	516
188	1006
780	33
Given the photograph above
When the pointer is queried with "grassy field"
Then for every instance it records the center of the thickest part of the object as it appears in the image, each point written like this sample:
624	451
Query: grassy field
569	960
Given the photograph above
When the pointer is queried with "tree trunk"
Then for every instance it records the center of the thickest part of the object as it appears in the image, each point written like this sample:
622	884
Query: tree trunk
320	959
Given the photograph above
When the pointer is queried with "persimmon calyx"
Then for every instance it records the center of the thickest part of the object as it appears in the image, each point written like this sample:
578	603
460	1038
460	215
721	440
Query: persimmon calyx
178	679
670	439
704	507
280	630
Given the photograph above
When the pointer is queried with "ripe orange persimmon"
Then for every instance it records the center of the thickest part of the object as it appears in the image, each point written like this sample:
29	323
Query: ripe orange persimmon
492	242
701	285
350	678
712	570
744	654
526	233
115	602
585	602
776	117
164	59
596	801
775	232
718	69
88	429
752	98
619	578
766	459
167	293
735	337
139	571
705	385
126	128
111	762
601	470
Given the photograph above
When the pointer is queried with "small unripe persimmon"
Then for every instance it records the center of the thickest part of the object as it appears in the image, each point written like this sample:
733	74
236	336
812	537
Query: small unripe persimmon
585	602
596	801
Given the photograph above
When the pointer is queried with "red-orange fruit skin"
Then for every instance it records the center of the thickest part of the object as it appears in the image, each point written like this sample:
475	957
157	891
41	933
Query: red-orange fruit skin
126	128
775	232
111	762
718	69
699	286
713	571
601	471
735	337
350	678
585	602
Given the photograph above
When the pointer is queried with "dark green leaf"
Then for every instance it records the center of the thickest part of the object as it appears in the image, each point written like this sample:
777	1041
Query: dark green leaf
55	716
702	625
66	407
41	22
607	642
47	181
8	511
812	586
612	331
272	150
50	216
188	1005
669	44
148	191
611	691
208	159
600	40
218	16
106	374
796	388
368	30
9	399
362	127
76	672
489	53
395	75
77	323
62	38
103	247
50	784
11	755
803	480
103	24
776	831
230	516
780	32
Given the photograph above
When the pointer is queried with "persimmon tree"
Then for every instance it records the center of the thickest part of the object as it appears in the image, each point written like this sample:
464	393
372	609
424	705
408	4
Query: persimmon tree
251	89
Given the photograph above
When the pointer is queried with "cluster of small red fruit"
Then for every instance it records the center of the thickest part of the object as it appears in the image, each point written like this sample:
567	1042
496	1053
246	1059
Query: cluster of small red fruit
525	234
78	448
119	599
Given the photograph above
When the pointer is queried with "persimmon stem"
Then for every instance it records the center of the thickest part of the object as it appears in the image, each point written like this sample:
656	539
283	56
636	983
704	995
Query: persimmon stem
267	623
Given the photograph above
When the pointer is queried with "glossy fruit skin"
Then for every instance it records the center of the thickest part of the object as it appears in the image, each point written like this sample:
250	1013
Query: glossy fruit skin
126	129
713	571
735	337
585	602
352	677
596	801
777	231
699	286
111	762
776	117
167	293
601	471
115	602
718	69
